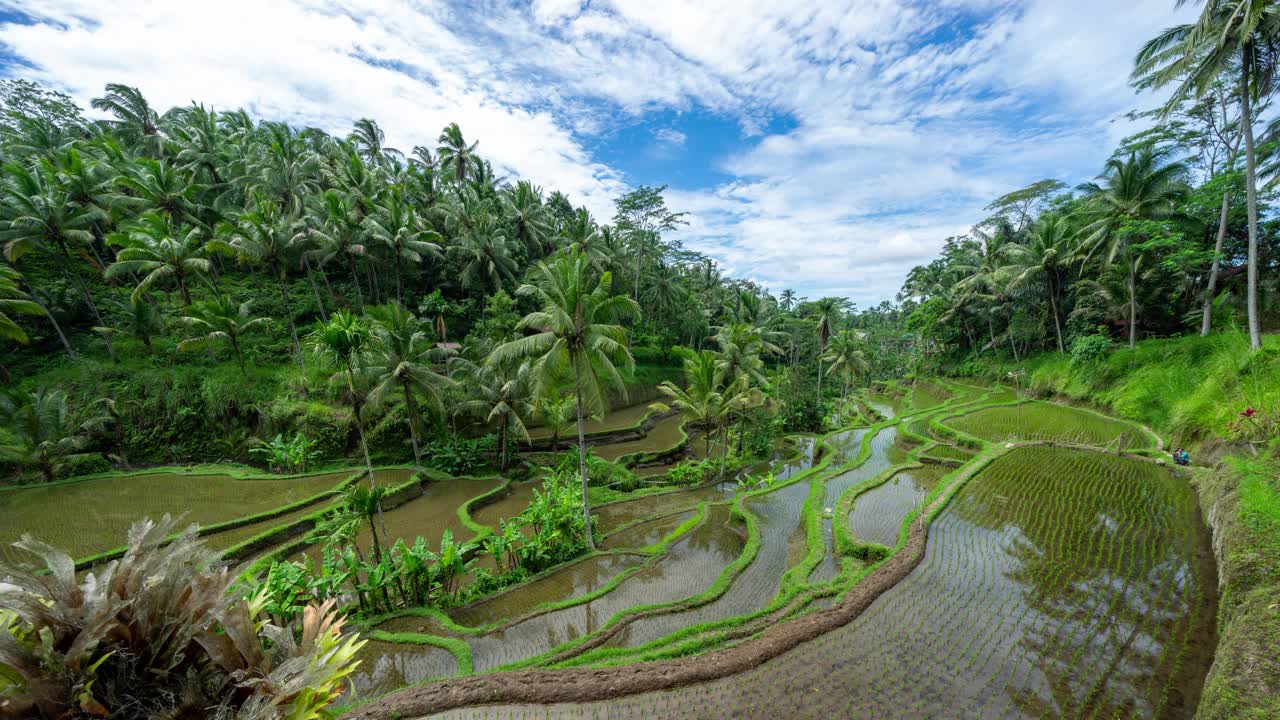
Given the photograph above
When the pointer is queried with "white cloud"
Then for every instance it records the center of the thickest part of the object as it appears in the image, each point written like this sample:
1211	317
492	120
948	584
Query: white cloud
905	117
670	136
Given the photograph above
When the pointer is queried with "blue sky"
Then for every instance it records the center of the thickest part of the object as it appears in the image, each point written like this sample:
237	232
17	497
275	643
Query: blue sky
826	147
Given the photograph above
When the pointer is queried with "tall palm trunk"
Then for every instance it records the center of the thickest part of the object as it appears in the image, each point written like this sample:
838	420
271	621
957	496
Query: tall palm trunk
1057	321
88	298
315	289
293	328
56	327
364	446
1251	186
399	282
582	460
355	278
411	408
1211	289
1133	302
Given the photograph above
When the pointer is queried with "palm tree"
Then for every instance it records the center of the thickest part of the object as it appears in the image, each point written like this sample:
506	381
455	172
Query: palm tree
1143	187
787	299
337	236
151	249
845	359
741	345
523	206
709	401
43	433
371	140
557	415
828	311
137	318
135	120
199	141
576	332
261	236
37	217
664	293
154	185
1229	36
455	156
501	393
343	341
395	225
364	503
402	359
485	256
219	319
1050	249
285	168
14	300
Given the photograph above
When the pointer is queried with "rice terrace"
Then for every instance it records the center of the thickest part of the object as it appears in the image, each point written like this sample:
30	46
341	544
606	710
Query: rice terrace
307	414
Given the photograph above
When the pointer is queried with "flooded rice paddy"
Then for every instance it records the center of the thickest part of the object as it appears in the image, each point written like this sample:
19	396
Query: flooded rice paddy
877	514
106	507
664	435
1035	420
1059	583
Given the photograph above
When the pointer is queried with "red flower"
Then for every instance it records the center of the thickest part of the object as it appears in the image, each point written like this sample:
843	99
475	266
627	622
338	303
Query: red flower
1250	412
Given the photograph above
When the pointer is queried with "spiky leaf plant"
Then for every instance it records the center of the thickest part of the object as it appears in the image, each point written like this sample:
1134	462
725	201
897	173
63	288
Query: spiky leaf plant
155	634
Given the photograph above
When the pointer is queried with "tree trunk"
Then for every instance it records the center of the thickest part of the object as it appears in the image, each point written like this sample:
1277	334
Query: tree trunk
235	347
1251	185
399	282
93	306
582	464
56	327
355	278
315	289
411	408
368	463
1133	302
293	329
1057	322
1206	323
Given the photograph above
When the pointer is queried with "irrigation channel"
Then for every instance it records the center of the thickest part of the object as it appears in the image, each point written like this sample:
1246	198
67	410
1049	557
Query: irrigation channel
1060	578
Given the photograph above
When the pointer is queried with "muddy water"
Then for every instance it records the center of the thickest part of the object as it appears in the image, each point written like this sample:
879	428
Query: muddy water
690	567
664	435
616	420
647	533
508	506
878	513
428	516
615	515
387	666
577	579
1057	583
884	454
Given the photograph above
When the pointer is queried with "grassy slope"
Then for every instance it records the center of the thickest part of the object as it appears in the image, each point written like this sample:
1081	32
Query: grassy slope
1193	390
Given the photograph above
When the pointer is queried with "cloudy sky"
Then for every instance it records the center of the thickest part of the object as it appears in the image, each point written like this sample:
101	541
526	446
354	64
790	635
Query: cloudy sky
823	146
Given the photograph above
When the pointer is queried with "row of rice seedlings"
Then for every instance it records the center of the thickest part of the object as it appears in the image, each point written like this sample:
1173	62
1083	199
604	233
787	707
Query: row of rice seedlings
105	507
1047	421
1008	615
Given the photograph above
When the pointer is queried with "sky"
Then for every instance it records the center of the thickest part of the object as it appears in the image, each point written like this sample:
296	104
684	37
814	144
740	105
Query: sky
826	147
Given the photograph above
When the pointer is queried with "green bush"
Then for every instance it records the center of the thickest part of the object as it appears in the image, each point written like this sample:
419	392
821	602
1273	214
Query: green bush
600	472
1089	351
460	456
693	472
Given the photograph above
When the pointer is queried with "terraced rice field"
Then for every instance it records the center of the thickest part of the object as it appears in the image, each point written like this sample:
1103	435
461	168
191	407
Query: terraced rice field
624	417
1047	421
664	435
1058	583
878	513
427	516
881	458
105	507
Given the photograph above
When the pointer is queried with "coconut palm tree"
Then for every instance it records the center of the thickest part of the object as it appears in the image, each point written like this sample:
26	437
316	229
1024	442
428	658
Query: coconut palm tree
1143	187
371	141
577	333
403	359
343	342
1047	256
845	359
155	185
396	227
336	235
485	256
43	433
456	157
200	142
264	237
137	318
1240	37
523	207
14	300
135	120
827	313
503	394
217	320
151	248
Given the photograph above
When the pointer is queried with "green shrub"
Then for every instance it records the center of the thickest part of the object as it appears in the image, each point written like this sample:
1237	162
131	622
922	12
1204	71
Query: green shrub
600	472
693	472
1088	351
460	456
